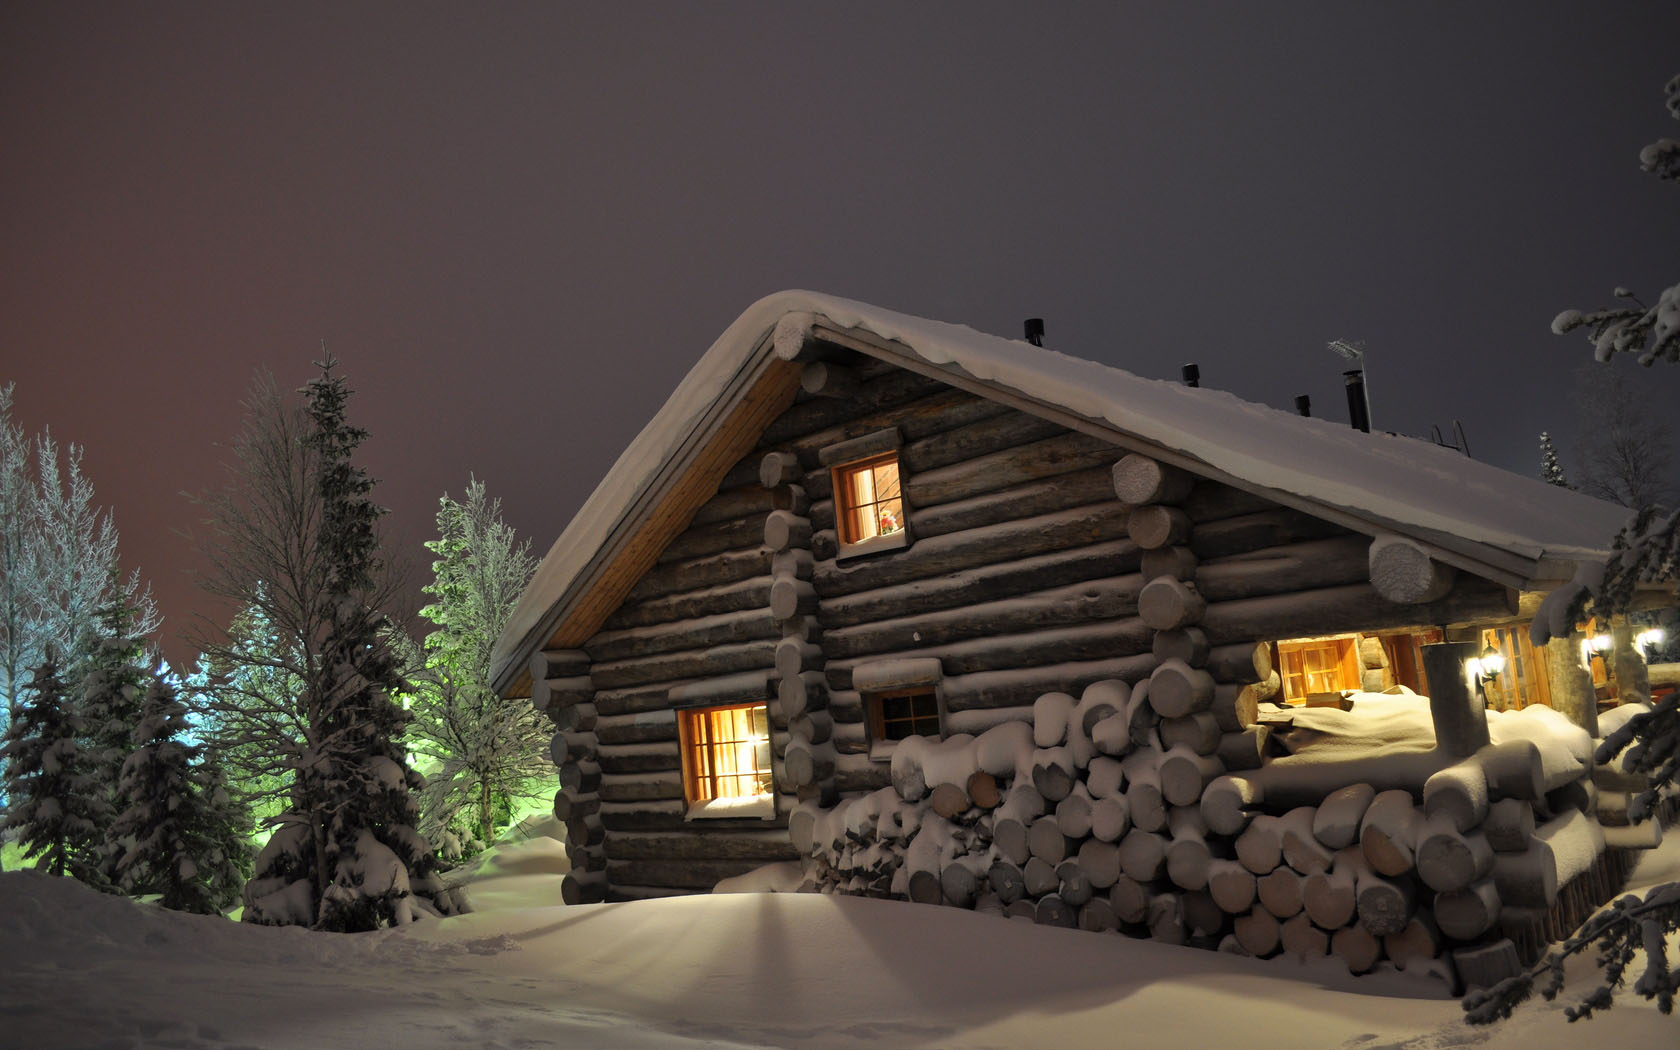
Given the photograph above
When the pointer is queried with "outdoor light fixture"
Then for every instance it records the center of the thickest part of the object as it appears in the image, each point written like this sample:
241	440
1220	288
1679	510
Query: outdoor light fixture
1649	639
1493	662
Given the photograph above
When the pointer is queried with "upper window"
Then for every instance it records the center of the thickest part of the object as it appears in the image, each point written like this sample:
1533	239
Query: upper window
726	761
869	504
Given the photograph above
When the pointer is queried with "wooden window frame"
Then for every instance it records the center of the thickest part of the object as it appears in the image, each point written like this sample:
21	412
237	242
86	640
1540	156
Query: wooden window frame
715	806
849	544
1347	666
876	715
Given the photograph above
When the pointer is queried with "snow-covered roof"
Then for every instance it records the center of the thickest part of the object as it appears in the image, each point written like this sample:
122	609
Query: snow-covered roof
1387	482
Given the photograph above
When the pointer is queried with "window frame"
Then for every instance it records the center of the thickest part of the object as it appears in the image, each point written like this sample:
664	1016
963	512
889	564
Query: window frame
875	713
840	476
1346	665
723	807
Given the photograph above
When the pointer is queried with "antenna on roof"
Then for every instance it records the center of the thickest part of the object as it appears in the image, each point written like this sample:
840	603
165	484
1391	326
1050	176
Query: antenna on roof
1462	442
1035	331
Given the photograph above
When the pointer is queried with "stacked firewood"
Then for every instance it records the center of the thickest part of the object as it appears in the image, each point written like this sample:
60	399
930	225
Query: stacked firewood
1088	817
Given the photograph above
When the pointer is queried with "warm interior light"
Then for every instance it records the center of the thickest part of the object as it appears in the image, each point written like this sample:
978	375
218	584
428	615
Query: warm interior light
1600	643
1649	639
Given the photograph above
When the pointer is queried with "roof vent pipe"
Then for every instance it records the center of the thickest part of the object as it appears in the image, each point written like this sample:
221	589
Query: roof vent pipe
1035	331
1357	415
1303	405
1192	375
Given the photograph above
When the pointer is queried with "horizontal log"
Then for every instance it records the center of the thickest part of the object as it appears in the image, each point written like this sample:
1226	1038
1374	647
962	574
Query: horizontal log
1166	603
995	434
644	815
752	593
711	571
1047	458
702	844
689	663
1155	526
744	500
699	541
641	758
1186	644
575	718
1078	603
720	629
644	728
779	468
693	874
548	695
1330	562
1216	501
1402	570
1177	562
1020	651
1356	607
1258	531
641	787
941	555
983	582
1076	489
636	699
880	402
1242	663
1015	687
558	663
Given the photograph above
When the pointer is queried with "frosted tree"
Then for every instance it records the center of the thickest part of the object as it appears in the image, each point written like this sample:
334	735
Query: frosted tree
245	692
1647	551
295	535
1551	468
54	802
77	572
19	641
487	749
183	837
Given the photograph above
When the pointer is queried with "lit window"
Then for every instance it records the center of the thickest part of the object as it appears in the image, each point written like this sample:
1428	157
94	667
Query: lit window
906	713
726	760
868	502
1321	665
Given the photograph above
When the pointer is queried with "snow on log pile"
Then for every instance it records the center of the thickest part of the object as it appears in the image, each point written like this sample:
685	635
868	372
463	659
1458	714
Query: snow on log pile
1368	844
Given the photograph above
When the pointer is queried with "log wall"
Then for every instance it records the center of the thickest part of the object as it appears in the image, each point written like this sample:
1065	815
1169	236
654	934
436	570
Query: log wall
1043	566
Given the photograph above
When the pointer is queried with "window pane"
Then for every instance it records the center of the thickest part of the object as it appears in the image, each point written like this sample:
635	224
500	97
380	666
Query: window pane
728	753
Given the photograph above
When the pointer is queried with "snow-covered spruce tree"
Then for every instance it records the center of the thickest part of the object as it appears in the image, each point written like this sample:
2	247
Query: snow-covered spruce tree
1551	468
487	749
183	837
19	645
114	674
1646	551
53	800
296	534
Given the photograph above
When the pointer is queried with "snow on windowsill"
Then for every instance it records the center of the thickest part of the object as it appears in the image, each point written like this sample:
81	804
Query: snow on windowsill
762	807
890	541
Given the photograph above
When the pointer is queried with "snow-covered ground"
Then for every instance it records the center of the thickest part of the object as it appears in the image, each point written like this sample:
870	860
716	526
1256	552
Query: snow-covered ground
736	970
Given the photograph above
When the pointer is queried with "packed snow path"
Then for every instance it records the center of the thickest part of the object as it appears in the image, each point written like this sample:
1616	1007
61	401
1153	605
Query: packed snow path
740	970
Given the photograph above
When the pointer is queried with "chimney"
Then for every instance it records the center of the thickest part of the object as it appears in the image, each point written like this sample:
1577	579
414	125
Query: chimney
1035	331
1355	380
1303	405
1192	375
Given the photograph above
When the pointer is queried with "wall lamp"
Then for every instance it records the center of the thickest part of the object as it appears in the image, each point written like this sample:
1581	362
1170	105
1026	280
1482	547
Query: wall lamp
1648	640
1485	668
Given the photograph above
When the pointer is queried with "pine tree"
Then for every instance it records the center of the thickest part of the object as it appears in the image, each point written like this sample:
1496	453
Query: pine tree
346	856
1551	468
487	748
54	800
109	698
182	837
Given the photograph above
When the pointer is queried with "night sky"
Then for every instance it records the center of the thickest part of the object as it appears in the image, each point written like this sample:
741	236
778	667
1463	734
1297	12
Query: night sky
518	225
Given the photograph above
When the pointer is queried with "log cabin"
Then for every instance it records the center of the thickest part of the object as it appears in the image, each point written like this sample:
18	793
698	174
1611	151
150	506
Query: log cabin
951	617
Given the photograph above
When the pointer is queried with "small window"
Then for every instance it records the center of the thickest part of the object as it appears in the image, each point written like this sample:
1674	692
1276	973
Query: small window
905	713
726	761
869	505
